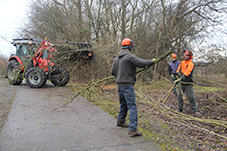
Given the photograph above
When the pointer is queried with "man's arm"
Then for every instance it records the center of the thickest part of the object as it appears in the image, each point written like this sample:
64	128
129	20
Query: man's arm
138	62
170	70
113	69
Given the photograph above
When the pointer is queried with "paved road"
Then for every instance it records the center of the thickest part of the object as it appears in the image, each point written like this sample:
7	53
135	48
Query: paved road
34	124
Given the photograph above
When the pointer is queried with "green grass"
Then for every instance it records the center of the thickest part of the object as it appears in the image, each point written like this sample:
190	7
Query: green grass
207	89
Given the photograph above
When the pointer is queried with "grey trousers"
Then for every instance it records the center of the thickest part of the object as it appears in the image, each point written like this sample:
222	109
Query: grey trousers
188	88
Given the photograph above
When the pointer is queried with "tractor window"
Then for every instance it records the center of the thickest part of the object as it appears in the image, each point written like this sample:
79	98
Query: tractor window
31	49
24	50
17	50
21	53
45	54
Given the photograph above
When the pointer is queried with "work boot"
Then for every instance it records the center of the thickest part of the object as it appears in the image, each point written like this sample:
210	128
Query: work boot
122	124
133	134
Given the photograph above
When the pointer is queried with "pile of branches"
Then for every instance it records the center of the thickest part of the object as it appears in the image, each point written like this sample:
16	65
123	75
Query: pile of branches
69	53
183	119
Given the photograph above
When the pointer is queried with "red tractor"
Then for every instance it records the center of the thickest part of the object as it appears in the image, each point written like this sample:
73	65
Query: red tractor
32	61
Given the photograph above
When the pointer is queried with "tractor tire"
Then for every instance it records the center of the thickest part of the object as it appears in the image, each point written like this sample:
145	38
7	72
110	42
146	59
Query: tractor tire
14	73
60	77
36	77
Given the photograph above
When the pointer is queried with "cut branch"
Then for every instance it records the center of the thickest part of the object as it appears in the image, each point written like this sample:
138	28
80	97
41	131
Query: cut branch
112	77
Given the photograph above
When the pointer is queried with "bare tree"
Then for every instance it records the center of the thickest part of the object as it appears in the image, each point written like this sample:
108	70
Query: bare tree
3	64
182	23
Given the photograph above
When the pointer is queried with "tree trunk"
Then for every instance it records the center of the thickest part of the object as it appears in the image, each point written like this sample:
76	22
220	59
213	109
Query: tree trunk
80	20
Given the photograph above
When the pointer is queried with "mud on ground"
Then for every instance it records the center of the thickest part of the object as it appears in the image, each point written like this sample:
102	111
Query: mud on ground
7	93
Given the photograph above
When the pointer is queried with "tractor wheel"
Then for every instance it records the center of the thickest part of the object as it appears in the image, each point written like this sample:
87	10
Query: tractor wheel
36	77
60	77
14	73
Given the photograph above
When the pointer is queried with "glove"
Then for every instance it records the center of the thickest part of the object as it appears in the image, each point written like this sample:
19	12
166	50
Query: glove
154	59
172	75
179	74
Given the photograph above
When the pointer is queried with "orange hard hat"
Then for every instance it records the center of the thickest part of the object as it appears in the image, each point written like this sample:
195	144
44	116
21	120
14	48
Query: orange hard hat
173	55
189	53
127	44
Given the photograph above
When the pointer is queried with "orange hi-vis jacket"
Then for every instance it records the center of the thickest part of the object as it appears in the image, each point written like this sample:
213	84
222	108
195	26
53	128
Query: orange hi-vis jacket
186	67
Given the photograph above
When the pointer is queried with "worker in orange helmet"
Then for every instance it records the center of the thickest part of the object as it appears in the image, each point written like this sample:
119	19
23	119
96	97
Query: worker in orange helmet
124	70
173	66
186	68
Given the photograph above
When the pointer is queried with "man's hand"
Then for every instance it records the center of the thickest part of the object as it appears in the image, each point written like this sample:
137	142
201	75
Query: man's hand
179	74
176	81
180	79
172	75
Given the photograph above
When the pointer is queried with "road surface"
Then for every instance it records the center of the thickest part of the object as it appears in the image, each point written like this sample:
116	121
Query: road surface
38	122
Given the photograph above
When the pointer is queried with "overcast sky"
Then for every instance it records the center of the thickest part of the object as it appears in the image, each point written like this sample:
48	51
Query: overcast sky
11	14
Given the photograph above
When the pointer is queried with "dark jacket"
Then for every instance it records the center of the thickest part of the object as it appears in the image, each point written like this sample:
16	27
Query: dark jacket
124	67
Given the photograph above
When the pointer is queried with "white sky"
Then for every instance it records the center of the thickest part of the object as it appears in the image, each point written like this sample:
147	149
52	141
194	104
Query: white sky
11	14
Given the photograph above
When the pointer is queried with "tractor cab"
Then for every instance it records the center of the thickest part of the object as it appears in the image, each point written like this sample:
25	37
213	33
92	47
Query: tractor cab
25	48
